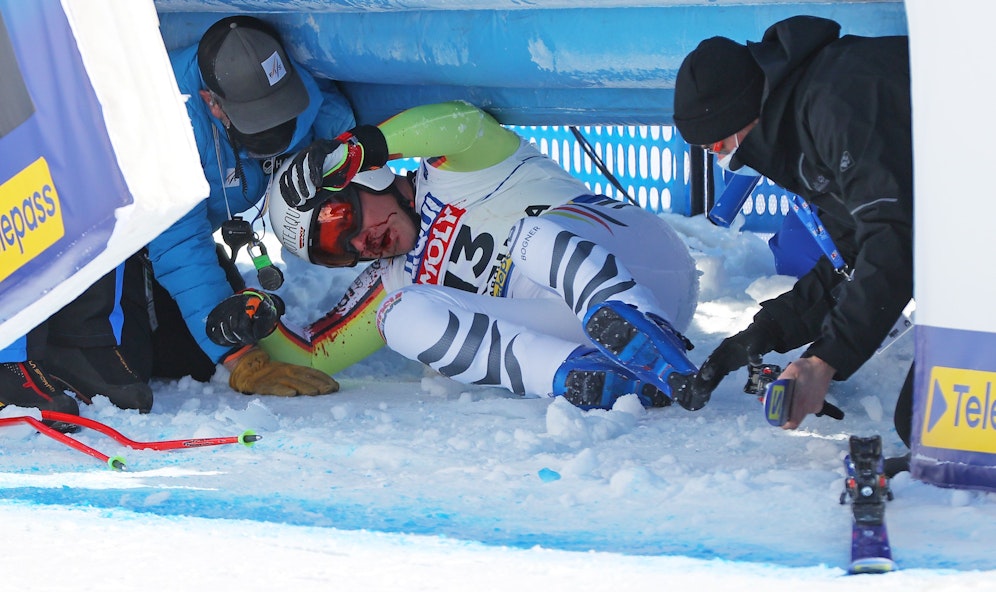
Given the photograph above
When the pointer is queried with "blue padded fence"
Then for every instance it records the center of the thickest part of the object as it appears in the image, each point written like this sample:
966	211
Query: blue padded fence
651	162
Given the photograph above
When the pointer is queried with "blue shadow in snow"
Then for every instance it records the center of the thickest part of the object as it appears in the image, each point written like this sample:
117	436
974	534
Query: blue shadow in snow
402	519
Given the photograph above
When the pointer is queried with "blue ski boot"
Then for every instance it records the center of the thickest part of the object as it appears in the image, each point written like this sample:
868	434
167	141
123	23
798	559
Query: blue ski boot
589	380
648	346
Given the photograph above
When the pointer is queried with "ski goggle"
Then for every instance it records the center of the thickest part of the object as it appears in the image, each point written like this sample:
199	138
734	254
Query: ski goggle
335	224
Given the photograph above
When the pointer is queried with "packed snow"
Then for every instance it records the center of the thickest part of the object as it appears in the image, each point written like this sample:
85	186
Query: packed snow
407	480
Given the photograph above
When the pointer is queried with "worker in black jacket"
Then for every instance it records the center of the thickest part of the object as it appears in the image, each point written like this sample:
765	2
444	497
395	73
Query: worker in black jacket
828	118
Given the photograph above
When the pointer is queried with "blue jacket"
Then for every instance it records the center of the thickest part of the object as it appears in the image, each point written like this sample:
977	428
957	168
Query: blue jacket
183	257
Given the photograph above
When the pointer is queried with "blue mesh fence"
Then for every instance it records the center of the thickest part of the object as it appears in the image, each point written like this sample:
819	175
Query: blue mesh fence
650	162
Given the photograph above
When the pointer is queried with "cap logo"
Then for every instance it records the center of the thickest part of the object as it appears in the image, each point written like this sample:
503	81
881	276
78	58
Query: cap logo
274	68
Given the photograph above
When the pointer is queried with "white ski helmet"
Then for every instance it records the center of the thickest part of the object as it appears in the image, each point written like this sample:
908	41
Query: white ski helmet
295	228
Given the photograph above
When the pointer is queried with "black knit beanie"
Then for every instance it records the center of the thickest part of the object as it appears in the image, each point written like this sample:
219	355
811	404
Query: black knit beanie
717	92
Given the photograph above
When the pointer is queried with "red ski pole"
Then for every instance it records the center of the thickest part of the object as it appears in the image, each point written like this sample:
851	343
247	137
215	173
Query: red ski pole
247	438
115	462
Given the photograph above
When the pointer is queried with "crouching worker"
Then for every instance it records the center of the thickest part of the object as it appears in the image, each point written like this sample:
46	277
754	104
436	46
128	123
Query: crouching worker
250	103
490	264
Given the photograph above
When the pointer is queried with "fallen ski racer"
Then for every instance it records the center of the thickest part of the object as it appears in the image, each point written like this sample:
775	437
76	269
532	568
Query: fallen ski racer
490	264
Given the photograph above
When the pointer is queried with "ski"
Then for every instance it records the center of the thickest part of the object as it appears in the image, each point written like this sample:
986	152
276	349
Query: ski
867	487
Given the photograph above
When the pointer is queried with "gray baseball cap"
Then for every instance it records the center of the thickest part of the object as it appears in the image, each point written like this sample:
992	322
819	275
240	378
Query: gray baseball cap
244	63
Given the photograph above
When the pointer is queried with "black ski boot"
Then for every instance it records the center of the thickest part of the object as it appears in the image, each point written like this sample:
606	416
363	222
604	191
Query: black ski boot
101	371
27	384
896	465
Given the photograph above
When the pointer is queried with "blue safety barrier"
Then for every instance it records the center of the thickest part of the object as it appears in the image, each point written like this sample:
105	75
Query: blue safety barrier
650	162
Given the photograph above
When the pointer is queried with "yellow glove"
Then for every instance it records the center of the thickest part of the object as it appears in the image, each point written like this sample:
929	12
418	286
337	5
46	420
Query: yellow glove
253	372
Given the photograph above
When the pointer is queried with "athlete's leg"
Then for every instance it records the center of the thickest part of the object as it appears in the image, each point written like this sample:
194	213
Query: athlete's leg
573	251
483	340
458	334
601	249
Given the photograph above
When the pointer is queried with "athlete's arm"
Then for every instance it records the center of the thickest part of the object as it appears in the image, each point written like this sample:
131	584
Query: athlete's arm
346	335
467	138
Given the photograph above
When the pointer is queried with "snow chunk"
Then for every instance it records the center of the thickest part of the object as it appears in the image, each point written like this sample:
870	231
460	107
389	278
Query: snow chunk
569	425
629	404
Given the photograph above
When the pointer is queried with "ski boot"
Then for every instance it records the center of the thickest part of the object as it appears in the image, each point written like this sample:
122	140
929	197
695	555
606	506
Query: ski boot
28	384
868	489
646	345
101	371
589	380
897	464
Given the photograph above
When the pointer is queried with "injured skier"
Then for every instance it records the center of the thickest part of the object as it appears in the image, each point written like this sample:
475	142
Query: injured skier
490	264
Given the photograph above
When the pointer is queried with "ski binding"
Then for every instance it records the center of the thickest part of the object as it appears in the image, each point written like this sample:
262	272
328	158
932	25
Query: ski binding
868	489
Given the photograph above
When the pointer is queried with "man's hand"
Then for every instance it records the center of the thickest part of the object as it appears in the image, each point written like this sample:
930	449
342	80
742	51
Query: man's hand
244	318
733	353
812	381
253	372
331	165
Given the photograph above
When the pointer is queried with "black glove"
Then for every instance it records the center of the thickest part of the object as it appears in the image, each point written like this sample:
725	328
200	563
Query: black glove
244	318
331	165
733	353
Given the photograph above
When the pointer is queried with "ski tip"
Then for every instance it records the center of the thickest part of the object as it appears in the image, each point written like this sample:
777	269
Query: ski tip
872	565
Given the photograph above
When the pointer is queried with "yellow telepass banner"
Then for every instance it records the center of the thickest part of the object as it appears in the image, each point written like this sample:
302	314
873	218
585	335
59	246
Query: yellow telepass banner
30	216
961	410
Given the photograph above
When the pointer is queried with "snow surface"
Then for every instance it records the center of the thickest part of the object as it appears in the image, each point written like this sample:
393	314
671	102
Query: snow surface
406	480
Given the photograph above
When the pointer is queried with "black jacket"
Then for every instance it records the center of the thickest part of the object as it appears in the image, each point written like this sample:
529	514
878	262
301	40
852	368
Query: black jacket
835	128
